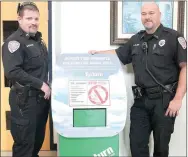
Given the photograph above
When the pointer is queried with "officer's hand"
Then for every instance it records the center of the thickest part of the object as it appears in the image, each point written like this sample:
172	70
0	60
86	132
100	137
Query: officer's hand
92	52
174	107
47	91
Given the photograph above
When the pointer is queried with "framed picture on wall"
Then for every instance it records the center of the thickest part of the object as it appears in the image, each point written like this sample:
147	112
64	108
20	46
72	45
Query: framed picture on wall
125	18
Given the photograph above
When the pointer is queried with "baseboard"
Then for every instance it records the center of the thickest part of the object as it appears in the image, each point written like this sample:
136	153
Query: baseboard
41	154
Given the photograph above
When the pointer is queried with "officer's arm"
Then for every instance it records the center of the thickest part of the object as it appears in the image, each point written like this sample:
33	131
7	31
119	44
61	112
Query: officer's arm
102	52
181	56
124	52
13	59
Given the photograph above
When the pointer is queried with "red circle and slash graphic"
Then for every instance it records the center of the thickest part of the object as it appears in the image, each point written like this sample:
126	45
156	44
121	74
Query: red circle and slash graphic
98	95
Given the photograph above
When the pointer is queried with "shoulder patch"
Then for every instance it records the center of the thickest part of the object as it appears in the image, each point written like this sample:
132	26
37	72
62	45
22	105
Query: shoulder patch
13	46
182	42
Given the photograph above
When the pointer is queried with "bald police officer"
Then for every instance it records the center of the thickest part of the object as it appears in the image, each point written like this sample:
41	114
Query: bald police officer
159	57
25	60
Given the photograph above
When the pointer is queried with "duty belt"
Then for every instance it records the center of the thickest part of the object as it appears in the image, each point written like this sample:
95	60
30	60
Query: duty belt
152	92
30	91
35	92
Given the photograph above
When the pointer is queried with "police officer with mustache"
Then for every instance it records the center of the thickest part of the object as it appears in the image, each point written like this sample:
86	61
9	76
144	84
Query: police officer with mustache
25	61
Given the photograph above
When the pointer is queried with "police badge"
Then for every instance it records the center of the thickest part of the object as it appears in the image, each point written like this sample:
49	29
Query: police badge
162	42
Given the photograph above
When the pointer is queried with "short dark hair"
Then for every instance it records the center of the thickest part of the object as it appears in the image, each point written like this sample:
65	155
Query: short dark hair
26	5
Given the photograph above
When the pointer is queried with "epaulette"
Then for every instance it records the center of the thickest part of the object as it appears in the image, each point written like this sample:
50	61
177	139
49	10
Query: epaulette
170	30
141	32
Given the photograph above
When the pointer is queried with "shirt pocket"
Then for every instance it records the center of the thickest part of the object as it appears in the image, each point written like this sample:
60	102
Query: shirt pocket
35	58
160	58
136	55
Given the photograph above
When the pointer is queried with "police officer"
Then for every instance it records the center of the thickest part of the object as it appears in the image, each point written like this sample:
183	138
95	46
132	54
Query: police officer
158	55
25	60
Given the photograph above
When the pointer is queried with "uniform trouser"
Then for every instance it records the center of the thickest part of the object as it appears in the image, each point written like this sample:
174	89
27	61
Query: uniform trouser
28	125
149	115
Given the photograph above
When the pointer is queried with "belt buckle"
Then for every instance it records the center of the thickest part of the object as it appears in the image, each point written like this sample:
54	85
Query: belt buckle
154	92
154	95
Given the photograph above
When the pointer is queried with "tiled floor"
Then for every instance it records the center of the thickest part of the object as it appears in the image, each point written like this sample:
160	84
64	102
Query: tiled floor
41	154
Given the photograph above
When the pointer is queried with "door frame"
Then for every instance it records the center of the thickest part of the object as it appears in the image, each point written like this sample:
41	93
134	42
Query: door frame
53	146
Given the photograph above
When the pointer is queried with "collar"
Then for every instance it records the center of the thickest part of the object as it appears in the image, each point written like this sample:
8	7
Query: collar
37	36
156	34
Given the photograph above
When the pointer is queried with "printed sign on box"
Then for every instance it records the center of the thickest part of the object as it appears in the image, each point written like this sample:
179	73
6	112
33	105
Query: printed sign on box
89	93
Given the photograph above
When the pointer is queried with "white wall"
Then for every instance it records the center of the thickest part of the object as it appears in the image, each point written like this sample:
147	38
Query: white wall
82	26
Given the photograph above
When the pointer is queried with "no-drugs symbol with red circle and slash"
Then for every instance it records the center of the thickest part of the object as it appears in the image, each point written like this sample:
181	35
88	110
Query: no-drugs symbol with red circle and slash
98	95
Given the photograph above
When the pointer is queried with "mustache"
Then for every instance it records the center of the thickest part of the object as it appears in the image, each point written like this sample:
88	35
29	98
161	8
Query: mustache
32	26
148	20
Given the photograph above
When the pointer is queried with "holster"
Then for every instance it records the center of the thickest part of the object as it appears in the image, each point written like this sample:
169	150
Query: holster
21	93
137	92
